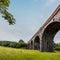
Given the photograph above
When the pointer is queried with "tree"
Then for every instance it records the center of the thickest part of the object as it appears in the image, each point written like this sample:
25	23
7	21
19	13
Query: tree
22	44
4	43
4	4
21	41
57	46
13	44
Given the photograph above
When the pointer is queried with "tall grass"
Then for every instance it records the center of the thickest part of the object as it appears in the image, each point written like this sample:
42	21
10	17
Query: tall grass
22	54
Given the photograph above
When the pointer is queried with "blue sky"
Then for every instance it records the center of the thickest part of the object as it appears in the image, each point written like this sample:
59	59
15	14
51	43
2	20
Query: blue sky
30	15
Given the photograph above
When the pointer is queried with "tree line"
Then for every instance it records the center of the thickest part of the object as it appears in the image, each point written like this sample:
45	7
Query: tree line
57	46
20	44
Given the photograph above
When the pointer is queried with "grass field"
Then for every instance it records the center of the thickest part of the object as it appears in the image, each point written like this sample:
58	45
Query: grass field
21	54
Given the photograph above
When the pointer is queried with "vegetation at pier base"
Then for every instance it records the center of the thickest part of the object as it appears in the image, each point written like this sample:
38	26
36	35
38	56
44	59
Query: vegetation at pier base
57	47
23	54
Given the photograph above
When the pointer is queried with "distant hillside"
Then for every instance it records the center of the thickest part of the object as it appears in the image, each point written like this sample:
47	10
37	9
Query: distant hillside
5	43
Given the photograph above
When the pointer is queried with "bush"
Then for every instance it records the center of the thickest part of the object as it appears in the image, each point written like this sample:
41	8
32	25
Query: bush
22	44
4	43
13	44
57	46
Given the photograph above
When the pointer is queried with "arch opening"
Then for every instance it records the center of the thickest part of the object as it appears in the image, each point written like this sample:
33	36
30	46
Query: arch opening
57	37
31	44
37	43
48	36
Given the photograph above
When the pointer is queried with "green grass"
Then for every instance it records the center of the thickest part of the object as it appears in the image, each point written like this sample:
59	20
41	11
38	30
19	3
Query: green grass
21	54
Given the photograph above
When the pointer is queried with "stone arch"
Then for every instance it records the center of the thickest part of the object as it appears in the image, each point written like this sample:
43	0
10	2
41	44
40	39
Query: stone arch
57	37
48	36
37	43
31	44
28	45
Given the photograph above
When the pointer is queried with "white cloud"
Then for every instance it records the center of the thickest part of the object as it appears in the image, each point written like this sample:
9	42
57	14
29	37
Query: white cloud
7	35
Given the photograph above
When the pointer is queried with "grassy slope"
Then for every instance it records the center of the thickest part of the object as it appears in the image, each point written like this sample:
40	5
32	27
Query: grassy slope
20	54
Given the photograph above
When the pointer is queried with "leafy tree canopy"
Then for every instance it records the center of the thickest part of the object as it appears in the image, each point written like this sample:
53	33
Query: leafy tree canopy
21	41
4	4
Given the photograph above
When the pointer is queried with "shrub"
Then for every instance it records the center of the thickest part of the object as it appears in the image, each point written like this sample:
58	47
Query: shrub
13	44
22	44
57	46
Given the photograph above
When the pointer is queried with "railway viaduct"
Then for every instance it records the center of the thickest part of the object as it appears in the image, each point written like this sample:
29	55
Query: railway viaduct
43	38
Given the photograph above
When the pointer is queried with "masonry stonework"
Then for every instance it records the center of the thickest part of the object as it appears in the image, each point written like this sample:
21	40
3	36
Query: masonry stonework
43	38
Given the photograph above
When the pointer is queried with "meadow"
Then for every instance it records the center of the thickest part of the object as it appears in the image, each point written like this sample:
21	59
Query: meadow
23	54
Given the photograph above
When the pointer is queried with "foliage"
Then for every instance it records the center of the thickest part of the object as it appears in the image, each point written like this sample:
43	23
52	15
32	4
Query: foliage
20	44
4	43
57	46
13	44
21	41
4	4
